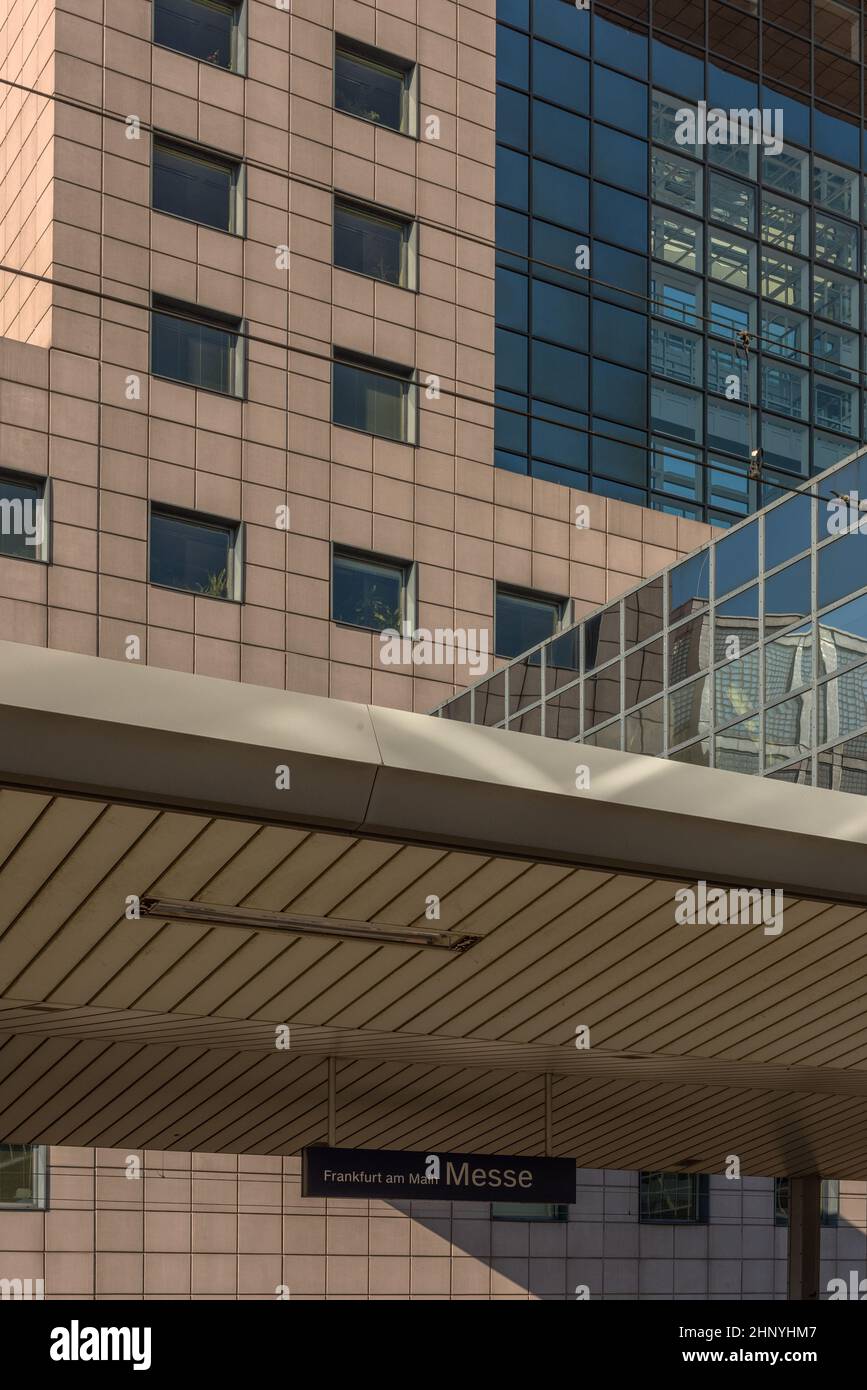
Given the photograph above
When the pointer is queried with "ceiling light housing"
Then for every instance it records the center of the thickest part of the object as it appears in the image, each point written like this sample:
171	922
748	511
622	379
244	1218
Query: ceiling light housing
288	923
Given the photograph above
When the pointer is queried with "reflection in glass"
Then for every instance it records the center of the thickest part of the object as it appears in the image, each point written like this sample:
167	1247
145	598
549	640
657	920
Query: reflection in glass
789	661
689	585
643	673
787	530
697	754
689	711
844	767
843	635
787	596
736	749
458	709
688	649
644	729
601	637
736	624
528	723
737	688
602	695
842	704
643	612
562	659
562	714
491	700
800	773
788	730
525	683
609	737
737	559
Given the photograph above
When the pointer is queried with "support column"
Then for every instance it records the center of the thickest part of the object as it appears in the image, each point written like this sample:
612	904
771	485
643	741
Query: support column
804	1237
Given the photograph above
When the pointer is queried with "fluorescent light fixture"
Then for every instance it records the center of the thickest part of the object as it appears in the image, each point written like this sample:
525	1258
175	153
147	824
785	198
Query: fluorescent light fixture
254	919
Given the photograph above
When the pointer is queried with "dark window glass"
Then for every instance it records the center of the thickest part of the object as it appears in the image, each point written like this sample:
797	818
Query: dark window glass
688	649
513	115
512	298
192	186
733	36
622	159
619	268
522	620
624	462
673	1197
203	29
620	335
619	100
186	553
602	637
560	77
560	197
371	244
529	1211
564	24
677	71
22	1175
561	445
619	217
561	137
737	618
787	530
22	517
512	171
376	401
513	58
560	315
737	559
372	89
559	375
643	612
618	48
201	352
619	394
367	592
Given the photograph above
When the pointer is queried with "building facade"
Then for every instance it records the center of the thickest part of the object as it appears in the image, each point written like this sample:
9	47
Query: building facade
251	373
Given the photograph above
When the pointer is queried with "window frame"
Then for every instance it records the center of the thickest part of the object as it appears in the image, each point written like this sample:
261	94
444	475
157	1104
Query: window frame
203	154
699	1199
235	567
194	313
391	63
238	58
41	554
829	1201
377	366
41	1180
556	1213
408	586
565	606
407	226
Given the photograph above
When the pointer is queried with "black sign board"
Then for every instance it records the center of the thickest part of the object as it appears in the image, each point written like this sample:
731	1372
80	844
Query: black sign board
435	1176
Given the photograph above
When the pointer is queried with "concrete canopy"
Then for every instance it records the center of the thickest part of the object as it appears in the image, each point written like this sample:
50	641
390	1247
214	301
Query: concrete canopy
120	781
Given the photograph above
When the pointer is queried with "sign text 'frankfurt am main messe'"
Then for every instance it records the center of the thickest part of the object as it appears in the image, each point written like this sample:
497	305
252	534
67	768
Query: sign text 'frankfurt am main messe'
439	1176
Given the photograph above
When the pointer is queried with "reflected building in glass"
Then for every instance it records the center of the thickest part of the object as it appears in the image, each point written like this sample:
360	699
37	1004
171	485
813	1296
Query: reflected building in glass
749	655
631	376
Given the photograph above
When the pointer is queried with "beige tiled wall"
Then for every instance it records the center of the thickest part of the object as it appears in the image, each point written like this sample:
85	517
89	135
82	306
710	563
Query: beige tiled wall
27	162
218	1227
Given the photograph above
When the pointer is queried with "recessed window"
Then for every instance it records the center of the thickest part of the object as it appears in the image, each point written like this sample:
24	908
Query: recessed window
200	555
371	591
673	1197
374	86
23	1176
374	396
372	243
197	186
203	350
529	1211
210	30
24	520
829	1201
522	619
